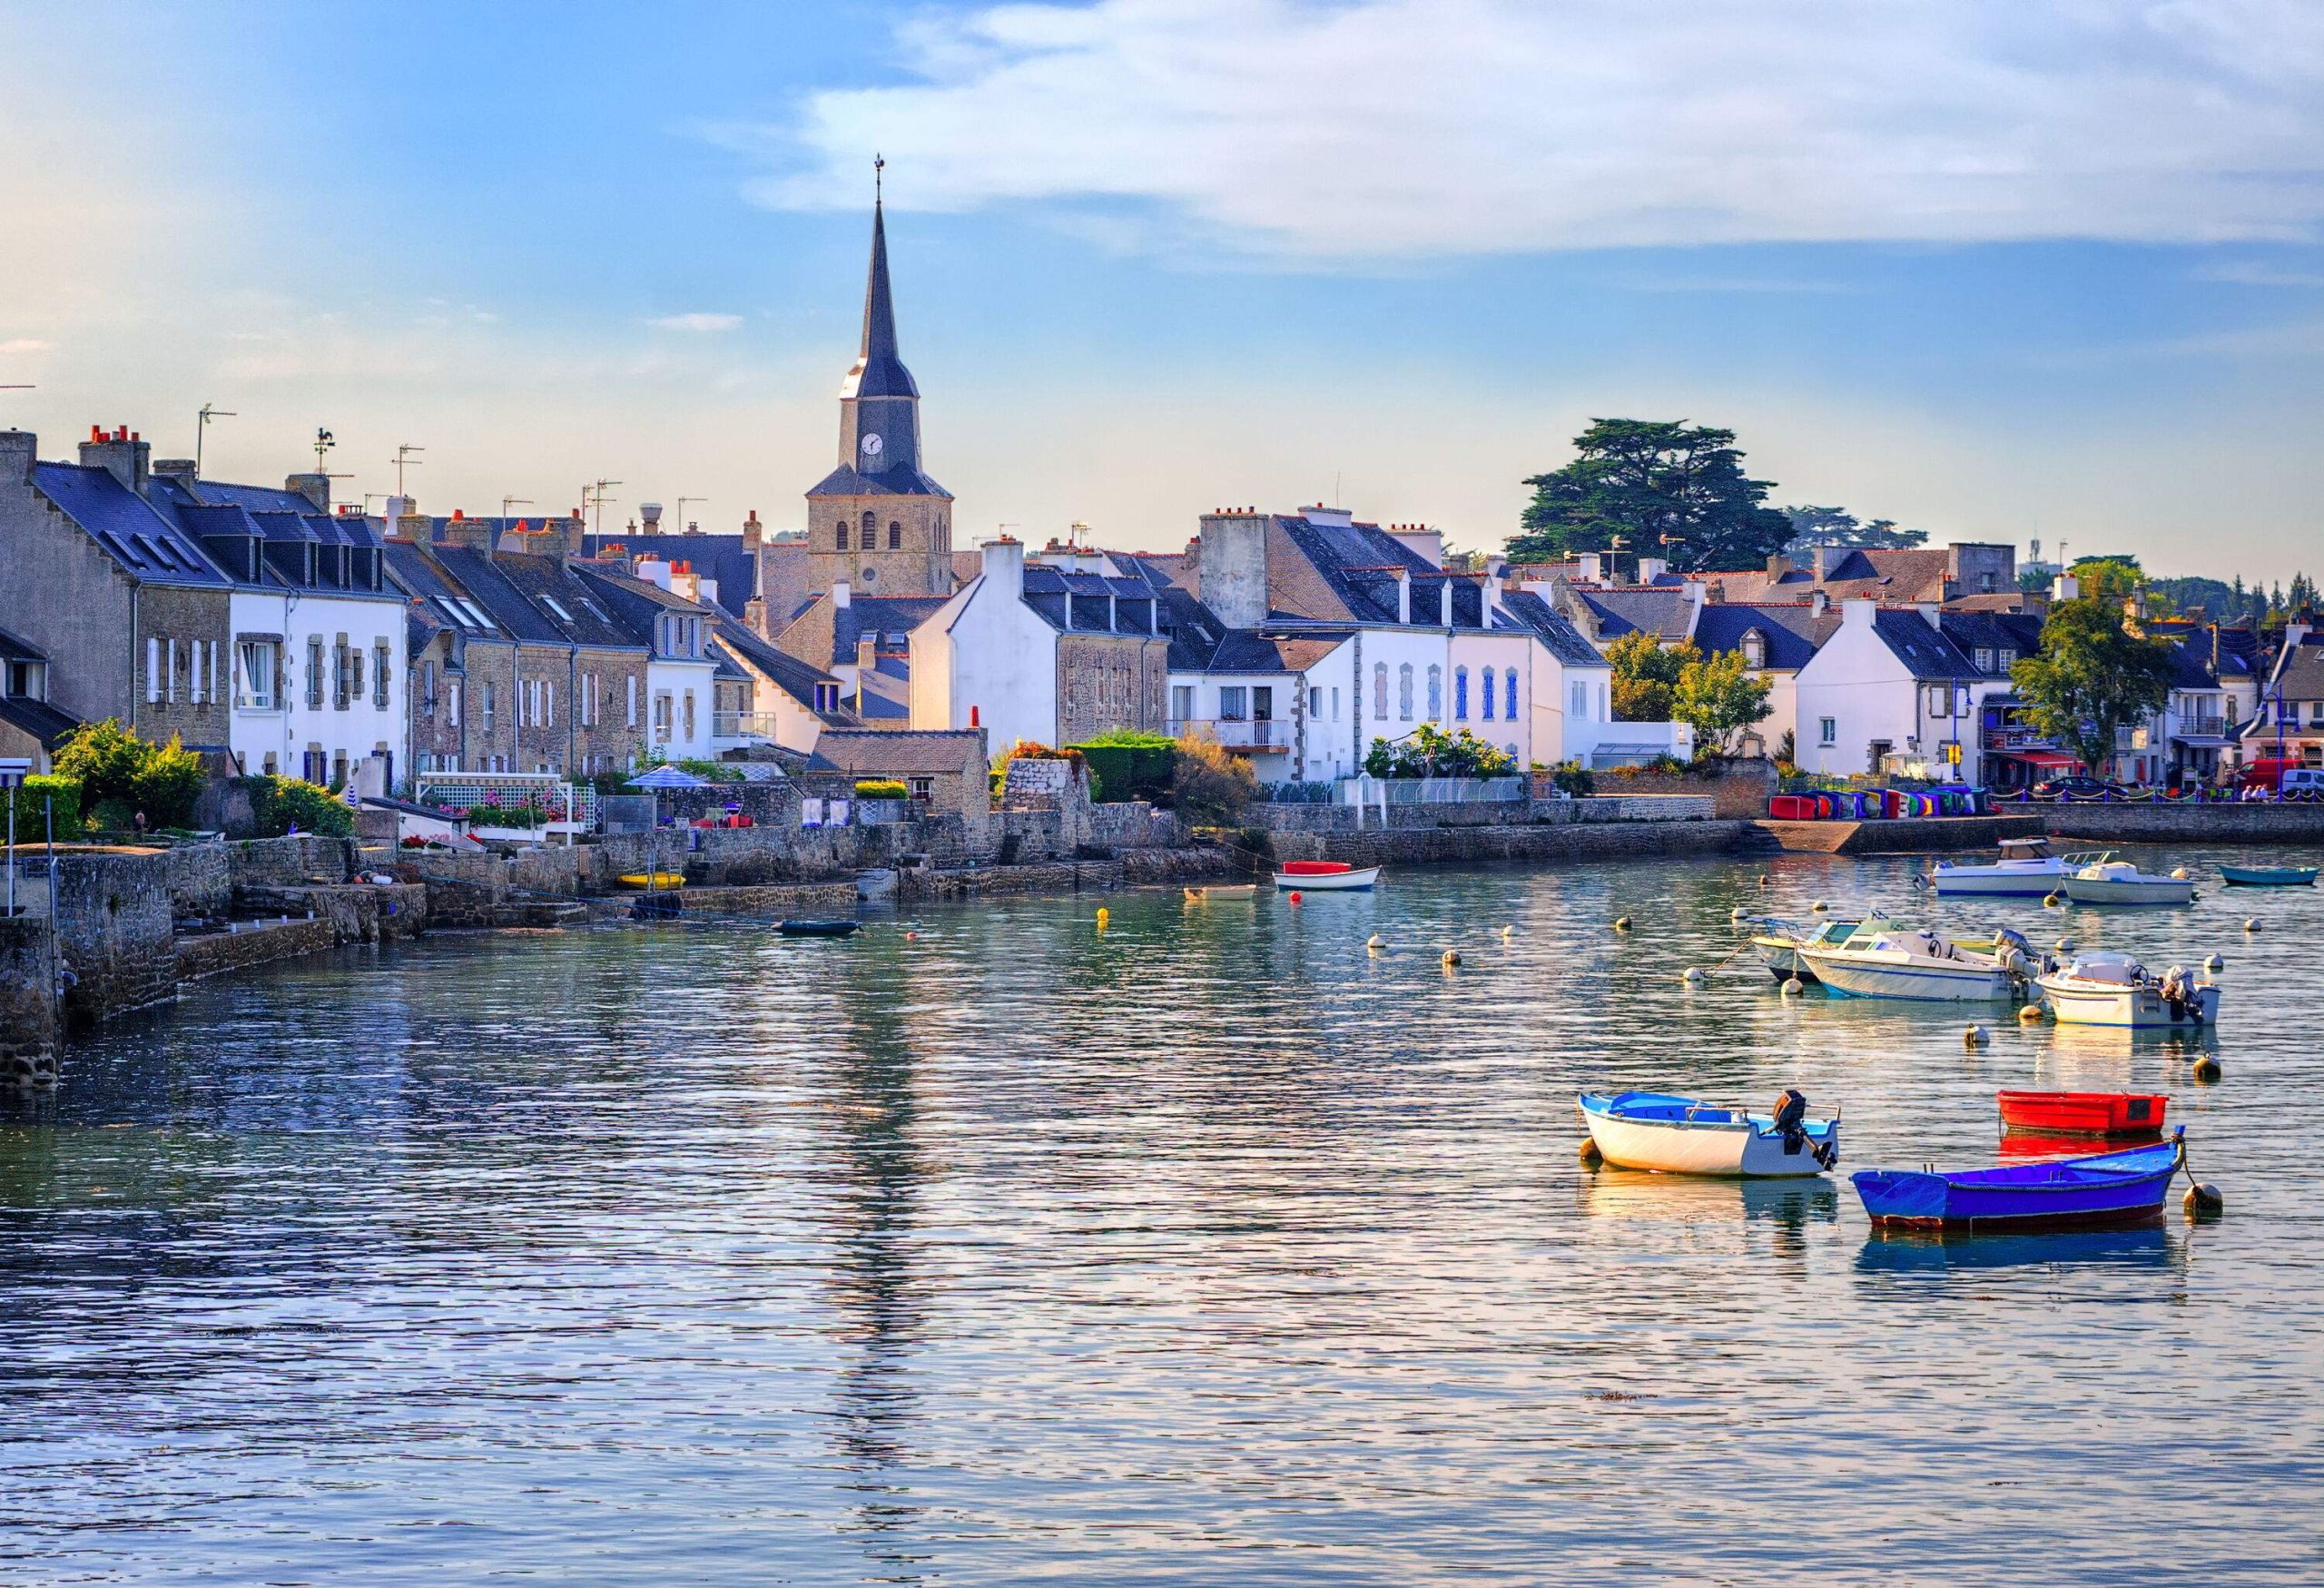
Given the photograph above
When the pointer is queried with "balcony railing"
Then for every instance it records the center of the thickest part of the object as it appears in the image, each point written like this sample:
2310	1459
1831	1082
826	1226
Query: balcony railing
742	725
1236	733
2014	738
2203	727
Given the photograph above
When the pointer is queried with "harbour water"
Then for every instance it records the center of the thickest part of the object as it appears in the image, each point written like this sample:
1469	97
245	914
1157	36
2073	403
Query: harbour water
1208	1249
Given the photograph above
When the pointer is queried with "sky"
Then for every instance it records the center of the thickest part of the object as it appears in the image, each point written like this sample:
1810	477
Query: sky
1996	270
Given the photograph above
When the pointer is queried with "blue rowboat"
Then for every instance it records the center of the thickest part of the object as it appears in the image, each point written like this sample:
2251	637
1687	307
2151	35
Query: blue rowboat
2109	1188
2269	876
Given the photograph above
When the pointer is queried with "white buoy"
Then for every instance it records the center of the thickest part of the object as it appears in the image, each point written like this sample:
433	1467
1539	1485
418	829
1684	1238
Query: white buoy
1375	942
1508	932
1974	1037
1691	975
2252	925
2065	945
1739	913
2213	963
1819	906
1794	987
2180	873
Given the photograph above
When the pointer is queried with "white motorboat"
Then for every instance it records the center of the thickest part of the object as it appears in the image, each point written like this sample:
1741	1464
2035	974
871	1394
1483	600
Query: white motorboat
1881	959
1681	1135
2101	879
2114	989
2028	868
1778	946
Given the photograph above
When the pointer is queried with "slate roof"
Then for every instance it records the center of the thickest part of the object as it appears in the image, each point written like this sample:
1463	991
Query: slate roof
1793	630
846	480
1249	650
1048	589
256	498
897	753
1554	629
723	558
13	649
432	600
1664	613
140	538
1357	564
788	673
1972	631
1912	641
880	615
579	615
2300	674
48	724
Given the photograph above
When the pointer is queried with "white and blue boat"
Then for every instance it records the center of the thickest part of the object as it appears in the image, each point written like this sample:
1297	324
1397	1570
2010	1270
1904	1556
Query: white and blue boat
1881	959
2028	868
2109	1188
1685	1135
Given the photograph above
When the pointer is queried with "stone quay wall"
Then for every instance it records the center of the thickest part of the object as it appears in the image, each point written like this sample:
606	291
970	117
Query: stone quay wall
28	1005
255	944
114	926
2191	823
1536	841
1268	817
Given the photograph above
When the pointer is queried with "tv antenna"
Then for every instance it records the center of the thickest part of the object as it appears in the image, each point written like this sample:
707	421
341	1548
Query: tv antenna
404	458
508	502
682	509
594	496
201	425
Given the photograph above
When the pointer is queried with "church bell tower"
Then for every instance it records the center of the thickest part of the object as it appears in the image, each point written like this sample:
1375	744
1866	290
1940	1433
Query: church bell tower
876	522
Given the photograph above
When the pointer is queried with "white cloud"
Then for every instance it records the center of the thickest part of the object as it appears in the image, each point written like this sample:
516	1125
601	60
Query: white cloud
1388	129
2245	273
22	346
697	324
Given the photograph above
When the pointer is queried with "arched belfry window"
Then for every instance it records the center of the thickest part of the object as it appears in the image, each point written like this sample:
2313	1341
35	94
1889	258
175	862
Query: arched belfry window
842	533
870	528
895	534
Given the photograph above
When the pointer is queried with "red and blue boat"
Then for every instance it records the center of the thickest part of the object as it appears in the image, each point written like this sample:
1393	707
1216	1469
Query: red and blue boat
2061	1193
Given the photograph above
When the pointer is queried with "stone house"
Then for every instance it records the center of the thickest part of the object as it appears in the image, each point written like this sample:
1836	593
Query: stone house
945	772
30	727
681	671
132	620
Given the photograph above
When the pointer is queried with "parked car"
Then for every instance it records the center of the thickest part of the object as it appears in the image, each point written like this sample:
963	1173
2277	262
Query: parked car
2301	783
2078	785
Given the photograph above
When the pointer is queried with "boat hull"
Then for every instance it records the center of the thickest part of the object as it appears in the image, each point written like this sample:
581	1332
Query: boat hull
2121	1188
2134	1008
817	927
1933	982
1781	957
1731	1145
2146	891
1348	882
2026	880
2083	1113
1208	891
2255	877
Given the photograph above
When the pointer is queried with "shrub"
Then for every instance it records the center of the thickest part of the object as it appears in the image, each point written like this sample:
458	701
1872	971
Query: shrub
1126	764
63	795
280	803
105	758
169	784
880	788
1573	778
1431	751
1209	788
490	816
113	814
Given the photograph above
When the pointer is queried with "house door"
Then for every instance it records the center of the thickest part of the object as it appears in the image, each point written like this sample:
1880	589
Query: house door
1879	753
1262	713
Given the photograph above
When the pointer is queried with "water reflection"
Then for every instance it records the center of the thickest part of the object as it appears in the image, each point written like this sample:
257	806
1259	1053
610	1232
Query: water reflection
1914	1252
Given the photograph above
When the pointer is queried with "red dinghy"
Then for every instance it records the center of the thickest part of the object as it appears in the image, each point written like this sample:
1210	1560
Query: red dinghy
2083	1113
1314	868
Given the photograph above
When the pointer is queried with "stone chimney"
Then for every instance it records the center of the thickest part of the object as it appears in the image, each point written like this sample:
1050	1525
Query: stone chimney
1827	559
1231	566
2065	587
120	455
1778	564
1928	611
460	530
1650	569
867	656
1004	565
18	448
752	533
179	469
315	487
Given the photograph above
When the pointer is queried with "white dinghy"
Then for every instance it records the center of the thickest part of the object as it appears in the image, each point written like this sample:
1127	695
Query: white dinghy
2101	878
1881	959
2115	990
1682	1136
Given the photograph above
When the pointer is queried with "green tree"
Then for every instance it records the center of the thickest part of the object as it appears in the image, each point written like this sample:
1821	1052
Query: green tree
2090	678
1645	676
1838	526
168	783
1719	699
1430	751
2109	579
106	757
1666	490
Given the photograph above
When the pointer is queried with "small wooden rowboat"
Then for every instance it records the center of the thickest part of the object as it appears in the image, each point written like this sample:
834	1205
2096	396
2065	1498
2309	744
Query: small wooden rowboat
1206	891
2083	1113
652	880
2109	1188
817	927
1323	876
2269	876
1678	1135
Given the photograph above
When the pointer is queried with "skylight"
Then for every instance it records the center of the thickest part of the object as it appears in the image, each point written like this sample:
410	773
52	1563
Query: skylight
550	602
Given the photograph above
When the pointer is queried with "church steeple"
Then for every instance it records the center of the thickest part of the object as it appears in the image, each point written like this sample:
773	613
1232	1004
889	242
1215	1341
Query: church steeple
879	429
879	368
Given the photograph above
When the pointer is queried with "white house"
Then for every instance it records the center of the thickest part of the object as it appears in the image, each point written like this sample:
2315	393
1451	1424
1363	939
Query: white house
1887	693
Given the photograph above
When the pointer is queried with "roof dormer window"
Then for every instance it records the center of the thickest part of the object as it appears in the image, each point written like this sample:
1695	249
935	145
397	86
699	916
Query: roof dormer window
1755	649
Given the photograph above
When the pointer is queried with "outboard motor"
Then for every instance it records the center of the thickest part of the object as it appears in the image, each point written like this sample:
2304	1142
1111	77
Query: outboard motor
1789	1117
2178	993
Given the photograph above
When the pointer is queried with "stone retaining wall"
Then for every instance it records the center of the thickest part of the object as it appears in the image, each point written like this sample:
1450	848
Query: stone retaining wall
28	1012
1542	841
772	903
1741	790
113	931
257	943
2219	824
355	911
1900	834
287	863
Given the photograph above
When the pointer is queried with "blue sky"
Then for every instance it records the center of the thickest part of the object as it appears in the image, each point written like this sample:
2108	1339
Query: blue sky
1994	270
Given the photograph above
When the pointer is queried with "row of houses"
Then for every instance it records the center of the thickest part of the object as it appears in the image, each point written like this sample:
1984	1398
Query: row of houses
1898	663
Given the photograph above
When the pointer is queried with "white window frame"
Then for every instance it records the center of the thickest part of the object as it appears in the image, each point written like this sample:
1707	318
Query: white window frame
1828	730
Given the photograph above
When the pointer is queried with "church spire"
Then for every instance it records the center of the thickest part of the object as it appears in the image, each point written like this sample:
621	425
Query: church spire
879	368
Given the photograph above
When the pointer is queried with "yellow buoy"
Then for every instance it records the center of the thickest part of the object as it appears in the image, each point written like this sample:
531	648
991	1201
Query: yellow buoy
1590	1154
1452	958
2054	900
1621	923
1104	915
1508	932
1819	906
2205	1069
2030	1015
